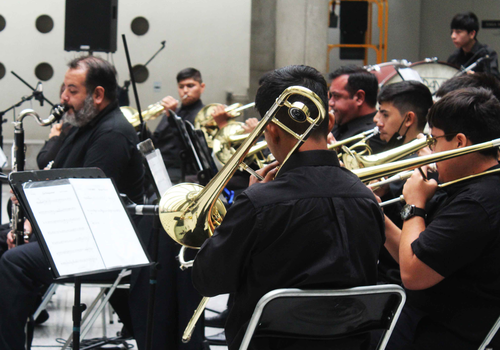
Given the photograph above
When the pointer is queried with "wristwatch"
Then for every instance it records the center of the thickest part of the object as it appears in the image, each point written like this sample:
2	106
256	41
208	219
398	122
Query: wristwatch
410	211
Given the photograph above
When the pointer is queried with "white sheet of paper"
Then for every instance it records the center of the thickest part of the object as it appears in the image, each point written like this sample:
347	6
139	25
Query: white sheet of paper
410	74
65	229
160	174
109	223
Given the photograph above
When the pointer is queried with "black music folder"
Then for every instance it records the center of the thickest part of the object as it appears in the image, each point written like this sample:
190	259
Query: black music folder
79	220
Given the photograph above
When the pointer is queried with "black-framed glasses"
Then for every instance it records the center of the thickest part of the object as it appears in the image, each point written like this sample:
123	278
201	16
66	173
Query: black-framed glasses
434	138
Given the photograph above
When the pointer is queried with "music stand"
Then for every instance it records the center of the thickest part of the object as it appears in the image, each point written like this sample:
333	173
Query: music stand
102	235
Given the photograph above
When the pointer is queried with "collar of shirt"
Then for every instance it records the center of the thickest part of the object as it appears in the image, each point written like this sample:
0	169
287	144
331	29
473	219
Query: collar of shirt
310	158
359	122
190	107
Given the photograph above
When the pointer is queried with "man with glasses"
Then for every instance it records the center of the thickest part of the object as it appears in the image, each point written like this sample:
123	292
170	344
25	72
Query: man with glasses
449	252
352	98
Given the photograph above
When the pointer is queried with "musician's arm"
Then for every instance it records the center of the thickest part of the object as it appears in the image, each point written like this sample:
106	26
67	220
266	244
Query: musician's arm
221	263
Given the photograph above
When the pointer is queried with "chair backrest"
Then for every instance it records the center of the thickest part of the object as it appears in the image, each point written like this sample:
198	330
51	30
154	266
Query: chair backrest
326	314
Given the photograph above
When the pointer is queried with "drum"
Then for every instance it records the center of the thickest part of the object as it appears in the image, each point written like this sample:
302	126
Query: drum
433	72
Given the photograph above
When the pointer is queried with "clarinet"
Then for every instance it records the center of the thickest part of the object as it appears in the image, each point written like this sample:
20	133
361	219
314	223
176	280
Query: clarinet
18	160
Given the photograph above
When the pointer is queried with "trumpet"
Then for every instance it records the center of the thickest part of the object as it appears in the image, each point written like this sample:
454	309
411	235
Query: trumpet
190	213
150	113
206	122
378	171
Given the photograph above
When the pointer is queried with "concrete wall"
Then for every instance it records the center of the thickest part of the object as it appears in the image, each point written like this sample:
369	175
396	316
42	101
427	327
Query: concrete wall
213	36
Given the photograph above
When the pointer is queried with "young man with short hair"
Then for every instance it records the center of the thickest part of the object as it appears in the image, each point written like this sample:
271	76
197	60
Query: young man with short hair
464	29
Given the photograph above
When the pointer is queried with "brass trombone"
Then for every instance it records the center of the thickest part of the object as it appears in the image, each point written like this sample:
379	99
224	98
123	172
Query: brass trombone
190	213
359	140
205	122
389	169
402	198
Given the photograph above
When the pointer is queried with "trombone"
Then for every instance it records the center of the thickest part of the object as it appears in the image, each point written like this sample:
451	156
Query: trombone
206	122
378	171
360	142
190	213
402	198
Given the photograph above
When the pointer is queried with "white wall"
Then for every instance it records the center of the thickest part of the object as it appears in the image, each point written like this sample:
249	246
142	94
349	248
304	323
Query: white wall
213	36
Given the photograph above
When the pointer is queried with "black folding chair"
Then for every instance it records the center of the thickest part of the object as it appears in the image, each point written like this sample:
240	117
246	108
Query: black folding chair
326	314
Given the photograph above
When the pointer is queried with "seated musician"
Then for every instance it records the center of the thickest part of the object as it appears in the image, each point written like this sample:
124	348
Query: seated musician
101	137
400	118
314	226
464	29
353	96
449	254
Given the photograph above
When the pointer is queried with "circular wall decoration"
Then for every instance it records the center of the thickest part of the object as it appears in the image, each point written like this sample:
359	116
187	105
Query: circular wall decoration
44	71
44	24
2	23
141	73
139	26
2	70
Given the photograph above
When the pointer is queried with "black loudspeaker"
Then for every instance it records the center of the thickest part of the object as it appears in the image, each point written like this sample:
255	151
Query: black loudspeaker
90	25
353	26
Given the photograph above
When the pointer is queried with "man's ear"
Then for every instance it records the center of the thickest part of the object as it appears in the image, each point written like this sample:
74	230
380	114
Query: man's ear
273	131
462	140
359	97
202	87
331	120
411	118
98	95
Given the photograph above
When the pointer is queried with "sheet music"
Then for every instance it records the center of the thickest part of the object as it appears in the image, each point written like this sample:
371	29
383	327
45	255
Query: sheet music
109	223
65	229
84	225
160	174
409	74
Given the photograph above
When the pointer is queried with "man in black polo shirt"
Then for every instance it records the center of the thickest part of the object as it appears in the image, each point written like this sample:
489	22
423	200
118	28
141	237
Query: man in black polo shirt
449	254
101	137
353	97
314	226
464	29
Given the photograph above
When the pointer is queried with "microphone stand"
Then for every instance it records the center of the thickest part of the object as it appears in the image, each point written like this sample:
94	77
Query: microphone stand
126	83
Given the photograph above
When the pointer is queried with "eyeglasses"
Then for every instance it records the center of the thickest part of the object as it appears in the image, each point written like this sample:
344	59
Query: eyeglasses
432	146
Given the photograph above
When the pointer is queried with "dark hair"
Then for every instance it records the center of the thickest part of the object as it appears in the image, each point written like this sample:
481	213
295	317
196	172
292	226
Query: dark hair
466	21
272	84
99	73
359	79
408	96
187	73
472	111
477	80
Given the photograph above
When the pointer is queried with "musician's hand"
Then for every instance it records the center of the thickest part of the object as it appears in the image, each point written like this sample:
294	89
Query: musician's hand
381	191
250	125
13	198
330	139
423	151
220	116
470	72
268	173
11	240
417	190
169	103
55	130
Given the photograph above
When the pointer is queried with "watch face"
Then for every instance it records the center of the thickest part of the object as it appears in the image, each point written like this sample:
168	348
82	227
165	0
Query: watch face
406	211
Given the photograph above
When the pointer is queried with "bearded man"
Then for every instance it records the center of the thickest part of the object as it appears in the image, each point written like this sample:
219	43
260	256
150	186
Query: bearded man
101	138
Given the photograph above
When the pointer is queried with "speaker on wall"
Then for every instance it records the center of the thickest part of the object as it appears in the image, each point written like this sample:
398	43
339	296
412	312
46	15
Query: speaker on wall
353	26
91	25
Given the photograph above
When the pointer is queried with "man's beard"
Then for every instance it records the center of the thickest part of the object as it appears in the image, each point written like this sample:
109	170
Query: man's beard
84	115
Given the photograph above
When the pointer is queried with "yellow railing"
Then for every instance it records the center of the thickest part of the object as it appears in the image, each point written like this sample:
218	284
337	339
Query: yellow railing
382	24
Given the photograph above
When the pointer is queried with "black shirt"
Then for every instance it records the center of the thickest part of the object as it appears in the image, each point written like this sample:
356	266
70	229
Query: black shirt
462	243
315	226
357	126
167	138
51	147
490	65
108	142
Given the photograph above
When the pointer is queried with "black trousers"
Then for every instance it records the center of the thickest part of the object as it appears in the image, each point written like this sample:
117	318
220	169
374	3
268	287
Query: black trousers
175	300
23	271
